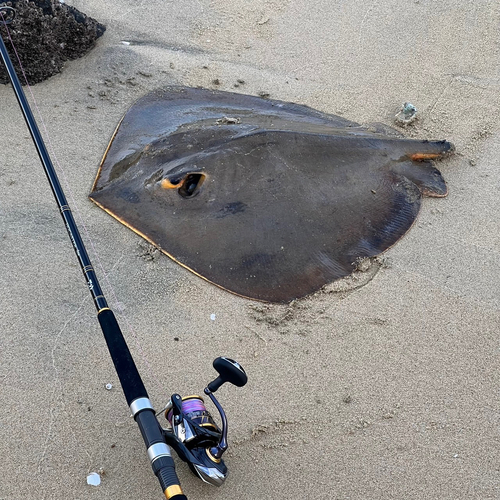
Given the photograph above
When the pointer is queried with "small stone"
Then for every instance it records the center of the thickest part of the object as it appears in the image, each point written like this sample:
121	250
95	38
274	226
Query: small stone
407	114
347	399
216	81
109	387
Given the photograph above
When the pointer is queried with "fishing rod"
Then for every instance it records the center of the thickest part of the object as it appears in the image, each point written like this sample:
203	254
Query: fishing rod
190	429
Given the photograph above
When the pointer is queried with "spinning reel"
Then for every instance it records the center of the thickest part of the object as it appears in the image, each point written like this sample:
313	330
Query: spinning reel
193	433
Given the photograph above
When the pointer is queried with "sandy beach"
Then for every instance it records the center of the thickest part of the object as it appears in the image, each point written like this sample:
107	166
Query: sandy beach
383	387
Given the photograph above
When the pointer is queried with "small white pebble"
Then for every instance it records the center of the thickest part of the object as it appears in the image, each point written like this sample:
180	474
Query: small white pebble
94	479
212	317
456	455
109	386
124	42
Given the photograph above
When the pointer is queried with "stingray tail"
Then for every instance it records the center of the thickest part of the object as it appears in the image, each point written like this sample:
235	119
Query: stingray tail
429	150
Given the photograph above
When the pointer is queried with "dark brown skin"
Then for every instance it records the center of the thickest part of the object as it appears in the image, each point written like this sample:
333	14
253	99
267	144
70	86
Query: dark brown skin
269	200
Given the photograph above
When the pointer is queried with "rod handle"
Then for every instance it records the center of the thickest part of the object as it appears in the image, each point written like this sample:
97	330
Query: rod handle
128	374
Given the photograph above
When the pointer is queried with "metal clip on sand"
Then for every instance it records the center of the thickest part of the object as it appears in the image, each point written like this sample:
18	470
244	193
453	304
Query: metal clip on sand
192	433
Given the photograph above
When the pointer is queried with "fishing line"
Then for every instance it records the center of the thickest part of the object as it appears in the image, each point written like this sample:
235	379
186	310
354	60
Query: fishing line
192	432
194	408
78	213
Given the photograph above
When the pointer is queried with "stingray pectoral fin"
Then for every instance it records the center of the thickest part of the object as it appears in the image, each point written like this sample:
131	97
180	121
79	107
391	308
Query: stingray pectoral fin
426	176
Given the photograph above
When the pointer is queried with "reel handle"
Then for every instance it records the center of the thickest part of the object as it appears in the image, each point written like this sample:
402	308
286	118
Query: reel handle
229	371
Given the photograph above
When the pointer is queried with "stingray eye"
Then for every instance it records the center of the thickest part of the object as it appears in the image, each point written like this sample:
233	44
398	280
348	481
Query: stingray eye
170	183
191	185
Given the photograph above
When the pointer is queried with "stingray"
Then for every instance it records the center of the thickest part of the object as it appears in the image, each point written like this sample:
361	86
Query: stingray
267	199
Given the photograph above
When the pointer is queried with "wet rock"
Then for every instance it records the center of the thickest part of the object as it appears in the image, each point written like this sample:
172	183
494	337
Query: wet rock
46	33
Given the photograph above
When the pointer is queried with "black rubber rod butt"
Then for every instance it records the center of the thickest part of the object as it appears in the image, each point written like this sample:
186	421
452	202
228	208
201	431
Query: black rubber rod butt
168	479
130	379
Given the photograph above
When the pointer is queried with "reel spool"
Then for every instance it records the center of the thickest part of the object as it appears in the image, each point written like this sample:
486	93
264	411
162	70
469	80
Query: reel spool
194	414
194	408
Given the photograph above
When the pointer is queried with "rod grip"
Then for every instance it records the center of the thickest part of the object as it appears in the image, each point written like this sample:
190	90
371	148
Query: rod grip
128	374
164	469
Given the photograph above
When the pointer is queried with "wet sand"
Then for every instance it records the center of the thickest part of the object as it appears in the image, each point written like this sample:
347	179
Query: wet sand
386	389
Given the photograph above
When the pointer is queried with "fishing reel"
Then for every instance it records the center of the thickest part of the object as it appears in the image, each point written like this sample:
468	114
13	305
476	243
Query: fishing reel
193	433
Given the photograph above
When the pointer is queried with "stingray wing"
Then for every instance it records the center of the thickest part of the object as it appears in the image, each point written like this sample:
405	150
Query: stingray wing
266	199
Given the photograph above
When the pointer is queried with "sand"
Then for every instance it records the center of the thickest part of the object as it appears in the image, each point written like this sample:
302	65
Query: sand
386	389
